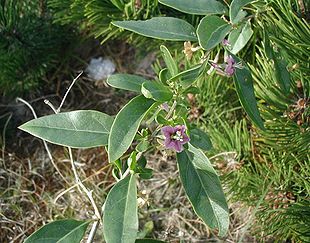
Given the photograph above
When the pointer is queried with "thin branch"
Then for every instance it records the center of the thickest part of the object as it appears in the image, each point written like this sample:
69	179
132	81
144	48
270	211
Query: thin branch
83	187
50	105
67	92
44	142
92	232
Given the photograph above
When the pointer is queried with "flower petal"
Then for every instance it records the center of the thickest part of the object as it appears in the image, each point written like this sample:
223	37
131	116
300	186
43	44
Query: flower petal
168	131
185	139
178	146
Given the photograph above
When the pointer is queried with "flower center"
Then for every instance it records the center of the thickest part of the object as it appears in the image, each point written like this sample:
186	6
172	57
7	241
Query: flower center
178	136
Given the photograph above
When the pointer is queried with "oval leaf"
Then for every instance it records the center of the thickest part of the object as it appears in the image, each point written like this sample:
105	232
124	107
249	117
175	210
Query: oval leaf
170	63
211	31
165	28
200	139
76	129
126	81
125	126
188	77
235	7
245	90
157	91
239	37
199	7
203	188
120	215
60	231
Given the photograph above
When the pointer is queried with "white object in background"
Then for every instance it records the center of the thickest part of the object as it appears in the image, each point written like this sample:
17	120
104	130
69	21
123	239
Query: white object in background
100	68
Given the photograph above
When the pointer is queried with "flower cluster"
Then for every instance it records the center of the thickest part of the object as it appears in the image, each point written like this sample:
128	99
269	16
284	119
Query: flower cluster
228	68
175	137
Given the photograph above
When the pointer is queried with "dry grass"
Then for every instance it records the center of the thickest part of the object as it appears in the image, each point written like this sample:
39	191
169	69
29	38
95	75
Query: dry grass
32	194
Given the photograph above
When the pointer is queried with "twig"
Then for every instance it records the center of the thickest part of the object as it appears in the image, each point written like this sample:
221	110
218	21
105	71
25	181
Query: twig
92	232
79	182
50	105
44	142
67	92
83	187
75	185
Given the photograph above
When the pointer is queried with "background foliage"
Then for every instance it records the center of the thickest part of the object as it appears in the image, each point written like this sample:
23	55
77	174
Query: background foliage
270	169
30	44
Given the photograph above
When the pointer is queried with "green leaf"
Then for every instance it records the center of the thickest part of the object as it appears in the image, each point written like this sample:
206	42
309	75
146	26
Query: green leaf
142	146
157	91
76	129
160	118
125	126
120	215
149	241
199	7
239	37
282	74
203	188
235	7
211	31
170	62
245	90
188	77
200	139
126	81
60	231
164	75
165	28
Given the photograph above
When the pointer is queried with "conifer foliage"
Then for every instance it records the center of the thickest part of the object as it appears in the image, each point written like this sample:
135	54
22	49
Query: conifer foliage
30	44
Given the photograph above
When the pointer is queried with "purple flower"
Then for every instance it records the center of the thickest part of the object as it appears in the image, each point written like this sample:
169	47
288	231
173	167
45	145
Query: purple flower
230	67
175	137
225	42
165	107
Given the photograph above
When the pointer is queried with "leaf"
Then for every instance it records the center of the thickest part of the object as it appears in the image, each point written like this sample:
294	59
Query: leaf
170	63
164	75
120	215
165	28
157	91
60	231
245	90
125	126
235	7
76	129
211	31
203	188
200	139
142	146
199	7
126	81
239	37
188	77
282	74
